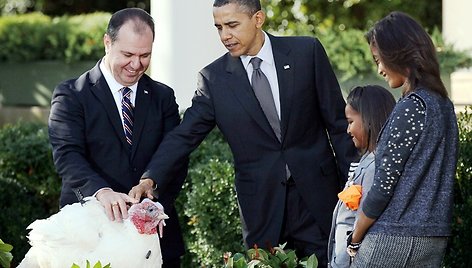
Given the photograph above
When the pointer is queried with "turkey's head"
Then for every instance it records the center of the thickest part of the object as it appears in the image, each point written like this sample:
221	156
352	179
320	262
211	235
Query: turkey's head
146	216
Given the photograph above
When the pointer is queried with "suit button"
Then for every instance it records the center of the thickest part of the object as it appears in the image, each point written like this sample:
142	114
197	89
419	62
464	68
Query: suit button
135	169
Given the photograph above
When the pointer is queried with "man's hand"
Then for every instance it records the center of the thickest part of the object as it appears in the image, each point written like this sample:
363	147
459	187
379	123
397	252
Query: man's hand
145	188
115	204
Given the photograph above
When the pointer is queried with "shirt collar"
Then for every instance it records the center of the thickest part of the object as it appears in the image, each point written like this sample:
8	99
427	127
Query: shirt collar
265	54
111	81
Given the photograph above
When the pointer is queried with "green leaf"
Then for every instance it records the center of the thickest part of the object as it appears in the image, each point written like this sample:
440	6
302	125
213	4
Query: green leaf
96	265
238	256
5	247
312	262
263	255
254	264
240	263
289	259
229	264
5	255
5	259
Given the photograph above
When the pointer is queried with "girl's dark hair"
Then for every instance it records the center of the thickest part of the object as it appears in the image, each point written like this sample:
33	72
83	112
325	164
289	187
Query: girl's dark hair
374	103
248	6
405	47
141	18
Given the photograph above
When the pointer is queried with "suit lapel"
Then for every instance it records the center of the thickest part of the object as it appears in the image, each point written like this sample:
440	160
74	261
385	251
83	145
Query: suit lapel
143	99
242	90
101	90
285	75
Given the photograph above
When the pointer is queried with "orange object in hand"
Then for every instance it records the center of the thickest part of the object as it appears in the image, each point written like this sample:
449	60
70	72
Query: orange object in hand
351	196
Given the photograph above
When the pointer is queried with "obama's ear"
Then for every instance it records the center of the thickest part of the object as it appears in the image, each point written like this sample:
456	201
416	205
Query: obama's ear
259	16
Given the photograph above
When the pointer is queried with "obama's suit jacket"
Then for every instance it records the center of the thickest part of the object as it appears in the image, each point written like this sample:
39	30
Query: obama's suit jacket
89	147
314	142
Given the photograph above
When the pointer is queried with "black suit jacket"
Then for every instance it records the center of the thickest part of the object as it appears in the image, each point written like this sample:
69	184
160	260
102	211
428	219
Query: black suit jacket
89	147
313	129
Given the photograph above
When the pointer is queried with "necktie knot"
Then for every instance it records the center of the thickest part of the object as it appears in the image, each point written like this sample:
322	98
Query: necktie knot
256	63
126	92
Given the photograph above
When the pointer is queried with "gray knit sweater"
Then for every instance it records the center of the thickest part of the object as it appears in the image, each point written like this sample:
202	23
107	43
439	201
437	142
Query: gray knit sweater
412	193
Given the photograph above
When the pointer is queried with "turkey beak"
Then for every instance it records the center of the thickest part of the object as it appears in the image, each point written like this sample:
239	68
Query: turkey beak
162	216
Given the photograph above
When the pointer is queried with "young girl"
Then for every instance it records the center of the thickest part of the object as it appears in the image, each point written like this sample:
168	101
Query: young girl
366	111
406	215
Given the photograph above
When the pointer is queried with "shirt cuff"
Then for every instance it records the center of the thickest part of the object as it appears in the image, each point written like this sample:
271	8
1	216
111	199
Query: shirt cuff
99	190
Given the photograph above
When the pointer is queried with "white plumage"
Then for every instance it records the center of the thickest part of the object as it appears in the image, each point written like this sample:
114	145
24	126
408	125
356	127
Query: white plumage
81	232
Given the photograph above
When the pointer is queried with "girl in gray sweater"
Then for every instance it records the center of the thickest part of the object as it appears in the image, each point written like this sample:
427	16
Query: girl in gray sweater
406	215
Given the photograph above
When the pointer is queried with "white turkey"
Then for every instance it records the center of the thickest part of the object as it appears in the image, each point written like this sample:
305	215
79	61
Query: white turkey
81	232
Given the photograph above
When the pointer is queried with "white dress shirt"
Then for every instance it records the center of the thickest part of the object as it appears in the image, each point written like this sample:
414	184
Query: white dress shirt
116	90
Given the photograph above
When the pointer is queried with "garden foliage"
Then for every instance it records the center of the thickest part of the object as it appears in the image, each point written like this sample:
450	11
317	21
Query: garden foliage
29	189
89	265
273	258
208	205
5	255
29	185
459	251
35	36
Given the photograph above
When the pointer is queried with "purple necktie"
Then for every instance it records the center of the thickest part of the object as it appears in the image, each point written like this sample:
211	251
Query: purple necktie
128	115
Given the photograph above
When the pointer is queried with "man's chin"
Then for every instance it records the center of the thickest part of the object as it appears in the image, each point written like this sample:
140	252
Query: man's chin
235	54
132	80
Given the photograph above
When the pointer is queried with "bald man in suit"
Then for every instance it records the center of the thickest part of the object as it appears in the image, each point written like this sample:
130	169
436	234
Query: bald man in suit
92	149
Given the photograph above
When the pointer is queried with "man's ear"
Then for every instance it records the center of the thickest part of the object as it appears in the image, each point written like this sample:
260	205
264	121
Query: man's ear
260	18
106	42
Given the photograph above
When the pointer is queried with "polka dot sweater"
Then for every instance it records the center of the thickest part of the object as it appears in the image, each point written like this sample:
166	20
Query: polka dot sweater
415	163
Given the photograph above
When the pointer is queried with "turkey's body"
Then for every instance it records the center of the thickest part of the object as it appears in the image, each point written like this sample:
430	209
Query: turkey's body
83	232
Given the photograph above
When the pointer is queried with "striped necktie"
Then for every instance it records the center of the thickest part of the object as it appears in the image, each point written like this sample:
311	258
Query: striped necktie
128	115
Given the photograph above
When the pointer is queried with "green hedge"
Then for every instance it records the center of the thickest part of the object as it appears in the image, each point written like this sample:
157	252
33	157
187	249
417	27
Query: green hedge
460	250
29	189
29	185
35	36
208	204
350	54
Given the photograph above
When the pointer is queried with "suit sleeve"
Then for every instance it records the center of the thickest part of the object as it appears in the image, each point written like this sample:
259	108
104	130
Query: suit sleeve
332	104
172	244
197	122
172	120
66	134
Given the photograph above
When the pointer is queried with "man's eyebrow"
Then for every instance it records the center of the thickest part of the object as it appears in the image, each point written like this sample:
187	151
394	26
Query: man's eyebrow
227	23
231	22
131	53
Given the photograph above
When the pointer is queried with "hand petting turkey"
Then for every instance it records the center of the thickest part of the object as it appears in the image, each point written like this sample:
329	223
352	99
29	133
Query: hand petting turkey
115	204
